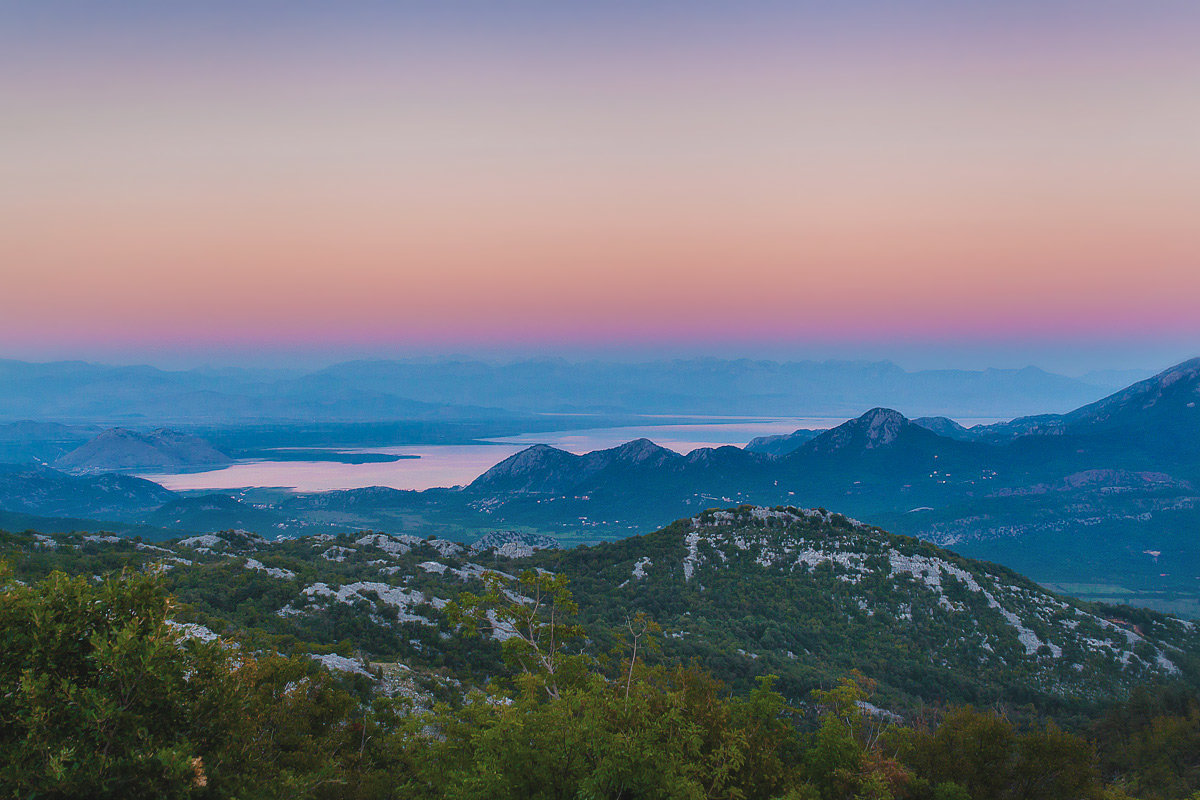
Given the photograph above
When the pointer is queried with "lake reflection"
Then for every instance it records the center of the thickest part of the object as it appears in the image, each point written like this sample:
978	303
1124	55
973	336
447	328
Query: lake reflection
438	465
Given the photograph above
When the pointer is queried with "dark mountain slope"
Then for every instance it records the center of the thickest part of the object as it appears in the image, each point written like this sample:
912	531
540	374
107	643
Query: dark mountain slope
48	492
1162	412
217	512
27	441
1164	409
546	469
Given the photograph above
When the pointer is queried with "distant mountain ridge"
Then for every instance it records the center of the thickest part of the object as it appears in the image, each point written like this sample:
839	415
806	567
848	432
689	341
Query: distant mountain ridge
878	434
717	386
943	426
1165	407
73	391
451	388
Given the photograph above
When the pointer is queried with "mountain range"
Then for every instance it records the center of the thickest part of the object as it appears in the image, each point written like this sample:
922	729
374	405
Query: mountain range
1101	501
1103	495
80	392
456	389
1155	421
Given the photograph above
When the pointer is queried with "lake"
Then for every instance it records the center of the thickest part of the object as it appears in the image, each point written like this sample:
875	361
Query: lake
455	465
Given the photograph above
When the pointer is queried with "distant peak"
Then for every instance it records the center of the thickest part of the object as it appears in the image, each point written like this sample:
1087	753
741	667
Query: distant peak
642	445
121	448
877	428
883	426
641	450
881	415
533	454
533	468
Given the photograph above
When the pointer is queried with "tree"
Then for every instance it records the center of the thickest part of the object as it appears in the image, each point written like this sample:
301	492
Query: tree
96	690
101	697
845	758
534	617
985	755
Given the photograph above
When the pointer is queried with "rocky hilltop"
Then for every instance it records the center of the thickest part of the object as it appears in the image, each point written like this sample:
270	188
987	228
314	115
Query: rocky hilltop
799	592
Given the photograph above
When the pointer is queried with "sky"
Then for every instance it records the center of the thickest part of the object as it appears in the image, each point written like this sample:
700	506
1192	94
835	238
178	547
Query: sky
994	182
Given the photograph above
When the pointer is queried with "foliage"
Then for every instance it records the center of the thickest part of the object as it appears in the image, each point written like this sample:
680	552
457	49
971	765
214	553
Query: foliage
1151	744
985	757
534	616
102	697
96	690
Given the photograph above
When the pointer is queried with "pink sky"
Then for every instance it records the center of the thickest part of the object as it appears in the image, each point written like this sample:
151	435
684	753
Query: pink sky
350	188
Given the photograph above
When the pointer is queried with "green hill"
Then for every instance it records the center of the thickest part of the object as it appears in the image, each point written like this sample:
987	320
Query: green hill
804	595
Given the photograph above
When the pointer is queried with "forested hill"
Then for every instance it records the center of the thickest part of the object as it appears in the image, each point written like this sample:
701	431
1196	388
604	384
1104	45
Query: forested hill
805	595
808	594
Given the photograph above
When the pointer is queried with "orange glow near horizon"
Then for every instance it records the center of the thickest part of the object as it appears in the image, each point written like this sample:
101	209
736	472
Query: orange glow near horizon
815	195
